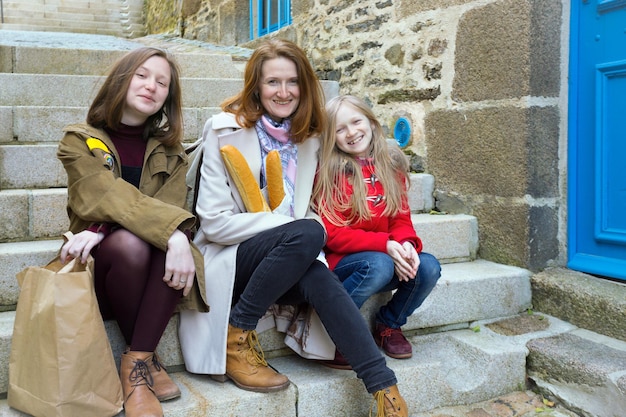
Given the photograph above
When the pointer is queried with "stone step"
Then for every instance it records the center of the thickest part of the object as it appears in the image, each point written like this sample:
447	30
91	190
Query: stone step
34	215
114	17
51	27
585	371
79	90
95	59
34	108
38	5
14	257
75	23
445	361
41	124
507	288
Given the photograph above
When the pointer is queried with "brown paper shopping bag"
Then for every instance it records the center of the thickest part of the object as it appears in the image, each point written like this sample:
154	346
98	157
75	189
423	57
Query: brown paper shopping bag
61	362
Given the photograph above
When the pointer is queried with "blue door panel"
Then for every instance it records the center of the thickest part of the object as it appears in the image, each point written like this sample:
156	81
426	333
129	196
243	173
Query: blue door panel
597	138
611	152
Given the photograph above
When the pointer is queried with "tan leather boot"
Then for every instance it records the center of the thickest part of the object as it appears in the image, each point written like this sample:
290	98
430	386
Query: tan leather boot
246	365
137	382
389	403
164	388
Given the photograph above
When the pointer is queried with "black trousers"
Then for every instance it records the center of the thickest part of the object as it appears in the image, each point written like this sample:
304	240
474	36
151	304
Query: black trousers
280	266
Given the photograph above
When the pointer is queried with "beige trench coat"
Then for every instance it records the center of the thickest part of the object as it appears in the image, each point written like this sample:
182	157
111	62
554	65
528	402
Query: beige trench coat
224	223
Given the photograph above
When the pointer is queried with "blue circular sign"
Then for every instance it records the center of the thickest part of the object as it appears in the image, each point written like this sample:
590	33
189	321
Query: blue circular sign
402	131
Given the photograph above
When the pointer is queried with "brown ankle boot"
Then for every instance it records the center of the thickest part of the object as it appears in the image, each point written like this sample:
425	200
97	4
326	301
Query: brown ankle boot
389	403
246	365
164	388
139	397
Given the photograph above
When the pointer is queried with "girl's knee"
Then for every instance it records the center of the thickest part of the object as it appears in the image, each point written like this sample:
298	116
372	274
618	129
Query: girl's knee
381	264
429	269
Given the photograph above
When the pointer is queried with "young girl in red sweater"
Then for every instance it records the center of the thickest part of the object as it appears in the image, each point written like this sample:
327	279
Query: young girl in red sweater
361	195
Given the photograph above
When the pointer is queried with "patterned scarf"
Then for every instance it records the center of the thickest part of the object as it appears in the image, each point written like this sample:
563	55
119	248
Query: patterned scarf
273	135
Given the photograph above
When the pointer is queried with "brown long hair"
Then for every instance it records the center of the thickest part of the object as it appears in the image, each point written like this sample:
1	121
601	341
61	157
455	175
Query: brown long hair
308	119
107	108
330	196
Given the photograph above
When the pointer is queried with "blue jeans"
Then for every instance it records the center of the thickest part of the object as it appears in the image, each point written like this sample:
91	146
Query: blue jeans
367	273
280	266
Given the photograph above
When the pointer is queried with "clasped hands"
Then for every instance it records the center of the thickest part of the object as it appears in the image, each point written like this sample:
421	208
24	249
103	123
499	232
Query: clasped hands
405	259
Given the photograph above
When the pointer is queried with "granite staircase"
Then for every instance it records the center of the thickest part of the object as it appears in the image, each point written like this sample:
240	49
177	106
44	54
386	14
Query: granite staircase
123	18
470	337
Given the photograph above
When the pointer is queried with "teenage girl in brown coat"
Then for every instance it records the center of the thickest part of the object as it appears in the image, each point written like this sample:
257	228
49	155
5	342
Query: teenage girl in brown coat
126	202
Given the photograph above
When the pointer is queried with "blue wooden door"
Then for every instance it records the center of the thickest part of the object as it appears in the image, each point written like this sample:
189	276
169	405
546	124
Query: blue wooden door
597	138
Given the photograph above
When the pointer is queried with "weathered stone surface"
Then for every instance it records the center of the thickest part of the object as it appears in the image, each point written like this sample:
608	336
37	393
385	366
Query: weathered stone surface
410	7
581	370
479	151
582	299
523	323
508	49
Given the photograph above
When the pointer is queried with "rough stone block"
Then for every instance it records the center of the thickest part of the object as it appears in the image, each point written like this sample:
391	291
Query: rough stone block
48	213
517	234
493	151
45	124
482	290
508	49
6	124
17	162
583	372
14	257
68	60
450	238
421	192
6	58
584	300
14	214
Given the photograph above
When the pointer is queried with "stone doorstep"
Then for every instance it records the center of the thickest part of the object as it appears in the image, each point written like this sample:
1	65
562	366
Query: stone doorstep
471	281
447	369
585	300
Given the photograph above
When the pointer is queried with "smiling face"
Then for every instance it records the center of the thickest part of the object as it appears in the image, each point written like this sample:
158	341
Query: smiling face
279	91
147	91
353	131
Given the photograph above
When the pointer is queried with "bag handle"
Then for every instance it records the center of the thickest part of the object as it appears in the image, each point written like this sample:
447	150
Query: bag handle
73	265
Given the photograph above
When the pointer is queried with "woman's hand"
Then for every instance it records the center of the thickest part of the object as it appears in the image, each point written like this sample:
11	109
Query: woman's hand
405	259
180	270
80	245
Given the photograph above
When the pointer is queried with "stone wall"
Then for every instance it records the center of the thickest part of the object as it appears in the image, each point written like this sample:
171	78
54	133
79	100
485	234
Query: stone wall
481	83
163	16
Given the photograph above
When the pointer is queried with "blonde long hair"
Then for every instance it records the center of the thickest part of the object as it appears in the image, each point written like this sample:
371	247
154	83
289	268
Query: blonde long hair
330	195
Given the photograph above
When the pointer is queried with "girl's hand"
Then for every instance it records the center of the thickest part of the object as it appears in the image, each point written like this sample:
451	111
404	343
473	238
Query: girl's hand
180	270
412	258
405	259
80	245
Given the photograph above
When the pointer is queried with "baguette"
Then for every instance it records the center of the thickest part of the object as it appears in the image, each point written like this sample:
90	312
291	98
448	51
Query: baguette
244	180
274	175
